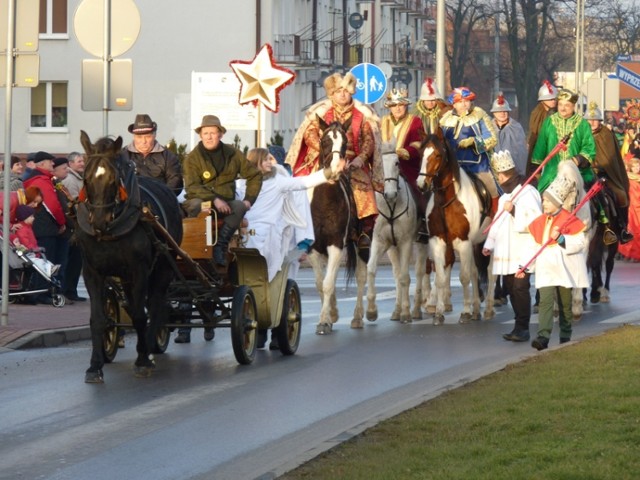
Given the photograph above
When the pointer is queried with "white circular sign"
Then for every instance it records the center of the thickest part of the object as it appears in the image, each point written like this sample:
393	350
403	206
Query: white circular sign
88	23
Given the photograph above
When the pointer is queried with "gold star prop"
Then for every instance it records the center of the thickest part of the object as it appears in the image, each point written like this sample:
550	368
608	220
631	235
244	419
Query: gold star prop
261	79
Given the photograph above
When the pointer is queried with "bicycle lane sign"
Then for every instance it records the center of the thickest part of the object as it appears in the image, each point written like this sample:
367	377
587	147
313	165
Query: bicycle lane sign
371	82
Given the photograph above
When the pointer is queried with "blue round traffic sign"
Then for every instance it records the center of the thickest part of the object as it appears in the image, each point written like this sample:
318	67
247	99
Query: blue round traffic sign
371	82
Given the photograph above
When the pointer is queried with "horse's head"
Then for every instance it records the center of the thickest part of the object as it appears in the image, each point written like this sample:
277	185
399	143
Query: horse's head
437	161
333	142
391	169
103	188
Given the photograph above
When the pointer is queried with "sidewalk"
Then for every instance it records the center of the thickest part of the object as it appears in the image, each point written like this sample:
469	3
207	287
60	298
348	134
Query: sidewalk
37	326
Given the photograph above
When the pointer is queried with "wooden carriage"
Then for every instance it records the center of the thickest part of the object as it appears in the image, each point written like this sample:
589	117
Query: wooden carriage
203	295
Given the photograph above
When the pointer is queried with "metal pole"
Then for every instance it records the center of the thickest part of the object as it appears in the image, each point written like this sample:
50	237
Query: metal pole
440	45
106	60
496	56
577	64
11	22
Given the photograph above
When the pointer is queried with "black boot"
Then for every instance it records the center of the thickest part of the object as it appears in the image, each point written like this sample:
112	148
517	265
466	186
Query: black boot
625	235
222	245
423	232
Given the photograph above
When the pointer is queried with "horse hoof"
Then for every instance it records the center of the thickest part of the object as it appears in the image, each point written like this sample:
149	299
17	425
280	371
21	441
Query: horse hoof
438	319
323	329
357	323
465	318
372	316
417	315
94	377
489	315
142	372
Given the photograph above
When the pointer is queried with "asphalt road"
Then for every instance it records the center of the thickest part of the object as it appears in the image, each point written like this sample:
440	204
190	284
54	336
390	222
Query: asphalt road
201	415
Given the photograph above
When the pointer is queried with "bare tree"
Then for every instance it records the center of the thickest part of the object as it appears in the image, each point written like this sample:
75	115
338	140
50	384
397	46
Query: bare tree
616	25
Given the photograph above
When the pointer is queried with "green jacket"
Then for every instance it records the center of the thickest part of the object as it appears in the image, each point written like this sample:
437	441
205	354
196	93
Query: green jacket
201	180
554	128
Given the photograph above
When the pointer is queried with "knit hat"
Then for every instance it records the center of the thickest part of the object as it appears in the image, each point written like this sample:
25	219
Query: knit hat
429	90
397	96
558	191
23	212
502	161
461	93
547	91
593	112
500	104
143	124
337	81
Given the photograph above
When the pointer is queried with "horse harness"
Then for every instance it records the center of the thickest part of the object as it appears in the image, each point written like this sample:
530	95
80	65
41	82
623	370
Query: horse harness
392	217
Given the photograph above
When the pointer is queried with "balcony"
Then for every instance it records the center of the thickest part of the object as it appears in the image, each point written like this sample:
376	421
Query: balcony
399	55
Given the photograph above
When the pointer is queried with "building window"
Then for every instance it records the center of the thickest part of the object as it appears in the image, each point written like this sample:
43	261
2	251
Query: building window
53	18
49	105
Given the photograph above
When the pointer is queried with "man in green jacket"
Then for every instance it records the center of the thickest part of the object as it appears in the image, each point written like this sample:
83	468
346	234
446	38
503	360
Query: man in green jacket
581	148
210	171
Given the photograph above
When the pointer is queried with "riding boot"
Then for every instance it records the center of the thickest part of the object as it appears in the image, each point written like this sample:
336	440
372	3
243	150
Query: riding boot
423	231
222	245
625	235
366	233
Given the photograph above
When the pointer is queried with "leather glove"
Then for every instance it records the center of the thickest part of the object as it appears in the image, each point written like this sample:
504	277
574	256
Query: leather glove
466	143
403	154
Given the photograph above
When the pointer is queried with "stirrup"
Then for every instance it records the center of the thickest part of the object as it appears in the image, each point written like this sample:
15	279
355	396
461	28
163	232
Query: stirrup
609	237
625	236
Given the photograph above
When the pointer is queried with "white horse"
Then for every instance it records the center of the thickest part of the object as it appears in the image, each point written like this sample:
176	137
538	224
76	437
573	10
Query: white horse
394	233
455	221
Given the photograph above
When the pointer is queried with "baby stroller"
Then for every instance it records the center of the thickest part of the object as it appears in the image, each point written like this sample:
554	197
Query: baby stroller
22	271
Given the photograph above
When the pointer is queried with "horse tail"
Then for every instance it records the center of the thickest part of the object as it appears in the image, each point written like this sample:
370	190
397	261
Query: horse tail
352	261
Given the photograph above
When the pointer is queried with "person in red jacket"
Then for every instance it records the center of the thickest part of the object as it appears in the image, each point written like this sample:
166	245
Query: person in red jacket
50	221
25	239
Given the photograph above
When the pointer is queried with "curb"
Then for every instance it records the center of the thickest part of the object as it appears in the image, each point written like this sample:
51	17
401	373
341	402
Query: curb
51	338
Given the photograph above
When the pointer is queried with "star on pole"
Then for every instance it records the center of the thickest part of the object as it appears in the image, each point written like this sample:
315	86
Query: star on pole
262	79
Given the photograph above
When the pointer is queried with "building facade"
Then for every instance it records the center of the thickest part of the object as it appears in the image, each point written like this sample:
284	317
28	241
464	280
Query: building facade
314	38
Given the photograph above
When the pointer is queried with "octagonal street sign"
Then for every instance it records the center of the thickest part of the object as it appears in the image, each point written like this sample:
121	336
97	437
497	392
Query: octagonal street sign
371	82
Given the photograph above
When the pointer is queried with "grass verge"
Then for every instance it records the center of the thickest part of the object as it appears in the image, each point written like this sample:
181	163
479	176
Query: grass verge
570	413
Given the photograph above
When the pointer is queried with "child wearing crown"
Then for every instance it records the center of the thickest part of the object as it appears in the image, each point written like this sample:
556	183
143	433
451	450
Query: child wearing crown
561	265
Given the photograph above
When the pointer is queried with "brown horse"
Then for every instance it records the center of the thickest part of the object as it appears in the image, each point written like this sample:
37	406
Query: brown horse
117	242
333	221
456	221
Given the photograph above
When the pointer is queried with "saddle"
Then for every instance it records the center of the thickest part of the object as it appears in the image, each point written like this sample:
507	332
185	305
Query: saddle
483	195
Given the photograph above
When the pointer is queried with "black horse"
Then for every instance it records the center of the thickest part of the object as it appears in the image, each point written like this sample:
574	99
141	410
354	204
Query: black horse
117	241
603	246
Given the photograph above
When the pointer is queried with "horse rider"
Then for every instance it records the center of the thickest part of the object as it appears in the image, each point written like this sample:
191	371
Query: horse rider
363	150
608	163
470	132
430	106
581	148
511	135
406	132
150	157
547	106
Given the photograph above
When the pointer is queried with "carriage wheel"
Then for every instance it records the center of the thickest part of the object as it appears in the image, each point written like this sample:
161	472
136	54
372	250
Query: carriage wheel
161	341
110	338
290	327
58	300
244	327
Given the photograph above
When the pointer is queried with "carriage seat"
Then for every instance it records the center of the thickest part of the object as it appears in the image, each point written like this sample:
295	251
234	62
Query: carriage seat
200	234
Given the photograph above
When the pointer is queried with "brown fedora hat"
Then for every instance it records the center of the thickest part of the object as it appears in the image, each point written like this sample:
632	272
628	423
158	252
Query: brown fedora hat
143	124
210	121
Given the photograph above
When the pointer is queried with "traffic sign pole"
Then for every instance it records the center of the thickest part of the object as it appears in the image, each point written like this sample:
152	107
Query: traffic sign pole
106	71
